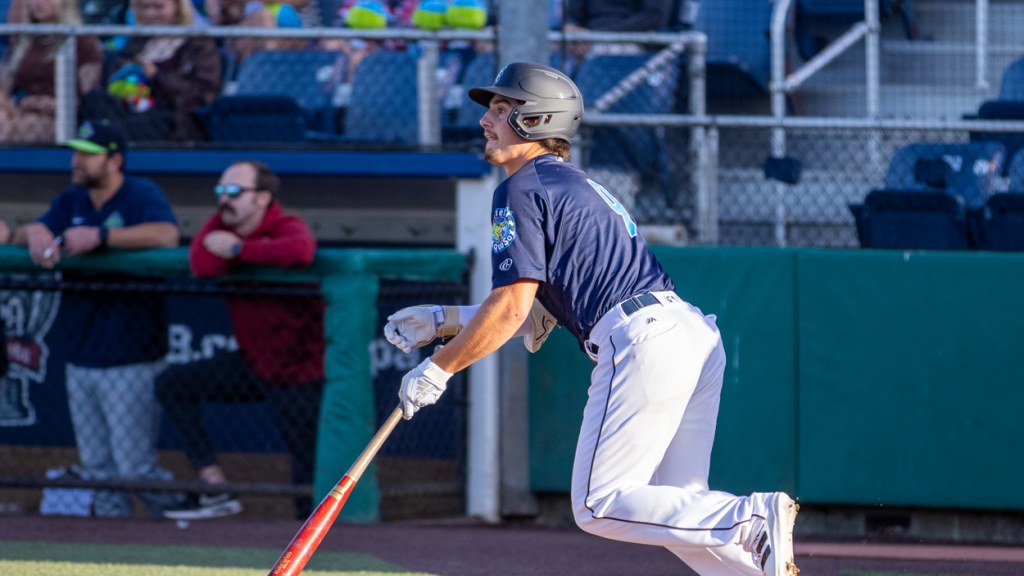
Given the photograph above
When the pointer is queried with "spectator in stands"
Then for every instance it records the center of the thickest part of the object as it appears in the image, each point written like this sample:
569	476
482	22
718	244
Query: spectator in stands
114	343
27	95
614	16
257	14
158	84
397	14
280	355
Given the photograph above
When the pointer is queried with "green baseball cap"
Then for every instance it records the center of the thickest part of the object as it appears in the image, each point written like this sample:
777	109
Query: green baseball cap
98	138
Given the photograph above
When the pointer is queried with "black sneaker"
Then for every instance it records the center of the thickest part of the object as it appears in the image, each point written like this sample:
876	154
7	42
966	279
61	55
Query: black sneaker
205	506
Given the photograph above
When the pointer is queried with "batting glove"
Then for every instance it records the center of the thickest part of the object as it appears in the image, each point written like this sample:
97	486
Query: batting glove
542	323
417	326
422	386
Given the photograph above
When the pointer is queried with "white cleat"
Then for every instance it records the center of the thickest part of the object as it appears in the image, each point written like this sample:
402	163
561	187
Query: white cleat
773	551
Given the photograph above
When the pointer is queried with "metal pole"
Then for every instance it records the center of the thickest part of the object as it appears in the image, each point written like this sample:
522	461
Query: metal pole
65	91
426	93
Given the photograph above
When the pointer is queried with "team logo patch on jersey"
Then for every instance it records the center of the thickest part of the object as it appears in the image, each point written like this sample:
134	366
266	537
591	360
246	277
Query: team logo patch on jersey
503	229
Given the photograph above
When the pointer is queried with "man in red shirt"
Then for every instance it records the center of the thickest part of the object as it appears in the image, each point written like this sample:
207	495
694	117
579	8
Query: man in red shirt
280	355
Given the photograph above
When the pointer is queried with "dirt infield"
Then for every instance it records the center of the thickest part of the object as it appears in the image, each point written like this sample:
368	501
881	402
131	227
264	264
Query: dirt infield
462	548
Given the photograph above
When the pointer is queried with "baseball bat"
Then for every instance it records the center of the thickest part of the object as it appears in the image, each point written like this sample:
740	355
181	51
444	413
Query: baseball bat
306	540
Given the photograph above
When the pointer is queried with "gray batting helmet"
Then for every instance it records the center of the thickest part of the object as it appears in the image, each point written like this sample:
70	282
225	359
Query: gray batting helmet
547	95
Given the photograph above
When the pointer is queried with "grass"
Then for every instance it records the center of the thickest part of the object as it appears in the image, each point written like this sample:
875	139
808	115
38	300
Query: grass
50	559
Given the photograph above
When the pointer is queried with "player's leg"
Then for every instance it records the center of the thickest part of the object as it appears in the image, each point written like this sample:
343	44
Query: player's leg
296	411
92	437
183	389
649	371
134	418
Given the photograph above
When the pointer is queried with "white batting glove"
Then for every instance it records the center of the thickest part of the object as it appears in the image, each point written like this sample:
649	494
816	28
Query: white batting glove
417	326
422	386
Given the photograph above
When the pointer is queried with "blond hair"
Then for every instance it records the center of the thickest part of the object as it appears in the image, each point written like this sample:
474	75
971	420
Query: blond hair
186	13
67	12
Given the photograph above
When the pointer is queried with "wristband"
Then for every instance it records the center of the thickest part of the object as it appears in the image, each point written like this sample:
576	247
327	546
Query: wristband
104	236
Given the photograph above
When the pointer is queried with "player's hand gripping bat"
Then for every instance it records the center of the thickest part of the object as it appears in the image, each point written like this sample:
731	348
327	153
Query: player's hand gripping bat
306	540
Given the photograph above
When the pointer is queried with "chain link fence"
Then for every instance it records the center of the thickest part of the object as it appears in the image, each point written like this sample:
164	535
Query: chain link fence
258	415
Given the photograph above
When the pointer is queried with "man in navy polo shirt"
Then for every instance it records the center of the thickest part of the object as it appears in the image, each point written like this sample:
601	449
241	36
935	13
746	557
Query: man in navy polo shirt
114	342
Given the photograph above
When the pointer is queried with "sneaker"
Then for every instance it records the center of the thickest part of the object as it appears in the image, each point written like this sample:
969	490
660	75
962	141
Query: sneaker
771	544
205	506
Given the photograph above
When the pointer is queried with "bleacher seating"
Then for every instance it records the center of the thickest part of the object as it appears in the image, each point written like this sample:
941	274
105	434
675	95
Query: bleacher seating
739	46
636	153
818	22
384	107
464	124
257	119
1008	106
931	191
306	76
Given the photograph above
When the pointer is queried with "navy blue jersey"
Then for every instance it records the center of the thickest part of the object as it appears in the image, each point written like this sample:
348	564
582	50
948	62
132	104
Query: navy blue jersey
553	224
105	329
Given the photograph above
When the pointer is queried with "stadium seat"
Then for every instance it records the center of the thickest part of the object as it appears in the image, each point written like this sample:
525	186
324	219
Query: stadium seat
819	22
256	119
1003	222
307	76
1015	174
464	124
931	197
632	160
1012	85
965	170
912	220
1001	110
384	107
739	46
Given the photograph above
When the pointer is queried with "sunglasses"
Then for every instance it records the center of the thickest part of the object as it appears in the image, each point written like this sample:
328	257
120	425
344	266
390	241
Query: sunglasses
231	190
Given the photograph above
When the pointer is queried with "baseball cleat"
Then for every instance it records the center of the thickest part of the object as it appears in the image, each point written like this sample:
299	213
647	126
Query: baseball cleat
773	552
205	506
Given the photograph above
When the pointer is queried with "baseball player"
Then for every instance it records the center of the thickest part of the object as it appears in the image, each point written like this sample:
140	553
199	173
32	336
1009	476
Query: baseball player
564	249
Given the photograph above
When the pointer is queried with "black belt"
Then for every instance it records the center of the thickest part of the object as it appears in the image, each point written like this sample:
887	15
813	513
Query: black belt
635	303
629	307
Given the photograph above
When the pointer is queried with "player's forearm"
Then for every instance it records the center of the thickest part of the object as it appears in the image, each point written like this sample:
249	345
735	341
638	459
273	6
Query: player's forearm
496	321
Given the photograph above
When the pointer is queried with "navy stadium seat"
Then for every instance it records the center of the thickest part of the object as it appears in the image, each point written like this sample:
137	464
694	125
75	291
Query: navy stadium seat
464	124
966	170
931	196
739	46
637	153
912	220
818	22
1001	110
383	107
307	76
1003	222
639	148
256	119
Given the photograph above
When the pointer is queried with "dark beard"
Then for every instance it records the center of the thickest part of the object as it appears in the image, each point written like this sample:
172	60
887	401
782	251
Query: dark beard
88	181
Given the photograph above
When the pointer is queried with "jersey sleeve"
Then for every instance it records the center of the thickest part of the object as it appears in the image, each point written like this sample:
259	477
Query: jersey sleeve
518	241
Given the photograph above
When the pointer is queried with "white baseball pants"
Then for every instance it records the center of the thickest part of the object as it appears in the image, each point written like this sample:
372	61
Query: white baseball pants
644	451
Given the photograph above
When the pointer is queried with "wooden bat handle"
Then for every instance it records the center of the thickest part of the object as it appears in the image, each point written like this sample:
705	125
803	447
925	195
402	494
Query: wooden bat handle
359	466
308	538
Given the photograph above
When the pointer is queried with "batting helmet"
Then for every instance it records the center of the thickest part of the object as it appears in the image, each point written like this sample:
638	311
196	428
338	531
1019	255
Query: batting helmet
548	96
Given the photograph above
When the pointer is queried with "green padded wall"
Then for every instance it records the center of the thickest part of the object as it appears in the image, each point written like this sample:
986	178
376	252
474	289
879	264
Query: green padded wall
752	293
911	378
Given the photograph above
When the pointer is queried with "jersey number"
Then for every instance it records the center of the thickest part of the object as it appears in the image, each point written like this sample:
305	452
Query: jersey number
615	206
